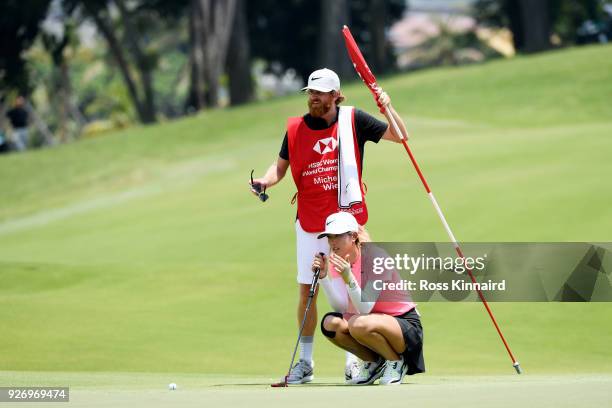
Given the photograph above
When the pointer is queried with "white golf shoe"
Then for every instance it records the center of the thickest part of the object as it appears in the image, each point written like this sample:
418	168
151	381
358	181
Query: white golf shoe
366	372
394	372
352	369
302	372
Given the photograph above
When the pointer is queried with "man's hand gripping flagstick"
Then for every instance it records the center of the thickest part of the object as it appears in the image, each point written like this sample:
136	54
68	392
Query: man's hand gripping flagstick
370	80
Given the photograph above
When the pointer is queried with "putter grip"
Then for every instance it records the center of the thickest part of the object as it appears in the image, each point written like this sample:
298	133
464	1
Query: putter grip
318	270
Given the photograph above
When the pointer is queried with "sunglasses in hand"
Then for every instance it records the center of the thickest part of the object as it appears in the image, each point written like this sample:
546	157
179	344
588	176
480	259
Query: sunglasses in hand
256	187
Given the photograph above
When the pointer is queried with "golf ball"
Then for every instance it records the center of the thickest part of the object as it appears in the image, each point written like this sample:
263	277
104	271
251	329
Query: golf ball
172	386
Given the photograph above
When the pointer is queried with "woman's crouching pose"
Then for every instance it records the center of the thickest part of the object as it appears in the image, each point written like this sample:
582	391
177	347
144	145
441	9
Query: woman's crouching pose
382	329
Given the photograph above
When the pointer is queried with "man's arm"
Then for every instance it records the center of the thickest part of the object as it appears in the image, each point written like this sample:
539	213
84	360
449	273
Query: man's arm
274	174
390	133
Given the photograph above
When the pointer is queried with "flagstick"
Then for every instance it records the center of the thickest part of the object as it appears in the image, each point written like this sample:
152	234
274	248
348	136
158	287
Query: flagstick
370	80
403	136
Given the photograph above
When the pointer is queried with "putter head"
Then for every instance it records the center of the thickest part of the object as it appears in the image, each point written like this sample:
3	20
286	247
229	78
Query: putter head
280	384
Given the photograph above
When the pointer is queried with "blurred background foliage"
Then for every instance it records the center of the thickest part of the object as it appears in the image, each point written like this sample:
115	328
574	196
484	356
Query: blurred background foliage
87	66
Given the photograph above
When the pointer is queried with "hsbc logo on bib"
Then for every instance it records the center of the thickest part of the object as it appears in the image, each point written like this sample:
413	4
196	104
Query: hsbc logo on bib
326	145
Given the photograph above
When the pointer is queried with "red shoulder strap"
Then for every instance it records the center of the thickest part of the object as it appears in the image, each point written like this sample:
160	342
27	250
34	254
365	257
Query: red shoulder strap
292	125
292	129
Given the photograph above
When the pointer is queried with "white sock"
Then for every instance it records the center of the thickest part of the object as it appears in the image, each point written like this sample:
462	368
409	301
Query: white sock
349	357
306	344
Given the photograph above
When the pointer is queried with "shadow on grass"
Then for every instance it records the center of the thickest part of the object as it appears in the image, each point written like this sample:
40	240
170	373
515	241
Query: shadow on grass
289	386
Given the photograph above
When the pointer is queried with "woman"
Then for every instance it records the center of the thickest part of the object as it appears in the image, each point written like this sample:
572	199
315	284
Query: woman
386	335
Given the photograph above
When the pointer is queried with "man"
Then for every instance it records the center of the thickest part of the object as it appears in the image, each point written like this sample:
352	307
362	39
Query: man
18	117
323	148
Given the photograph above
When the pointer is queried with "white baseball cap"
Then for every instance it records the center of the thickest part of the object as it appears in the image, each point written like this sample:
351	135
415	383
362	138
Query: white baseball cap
323	80
339	223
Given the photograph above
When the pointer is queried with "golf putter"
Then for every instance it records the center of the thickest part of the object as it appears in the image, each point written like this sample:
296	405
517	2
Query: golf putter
257	189
313	287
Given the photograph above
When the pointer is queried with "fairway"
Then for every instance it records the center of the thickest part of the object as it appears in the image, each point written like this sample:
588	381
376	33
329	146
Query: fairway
142	251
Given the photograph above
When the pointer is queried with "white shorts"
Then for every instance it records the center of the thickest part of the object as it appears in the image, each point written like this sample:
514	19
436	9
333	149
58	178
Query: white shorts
307	247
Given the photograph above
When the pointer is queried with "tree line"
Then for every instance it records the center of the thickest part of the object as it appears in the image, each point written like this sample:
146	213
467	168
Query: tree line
224	37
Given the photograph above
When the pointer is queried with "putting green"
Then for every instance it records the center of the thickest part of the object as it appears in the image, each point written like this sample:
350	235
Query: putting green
150	390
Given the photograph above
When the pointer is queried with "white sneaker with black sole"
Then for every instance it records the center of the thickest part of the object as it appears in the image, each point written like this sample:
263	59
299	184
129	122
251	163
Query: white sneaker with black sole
369	371
394	372
302	372
352	369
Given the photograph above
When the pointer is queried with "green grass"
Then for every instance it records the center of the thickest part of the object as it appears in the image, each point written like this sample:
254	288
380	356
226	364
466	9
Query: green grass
142	251
150	390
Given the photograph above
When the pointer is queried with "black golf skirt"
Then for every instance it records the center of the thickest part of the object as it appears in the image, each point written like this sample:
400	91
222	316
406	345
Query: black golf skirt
412	331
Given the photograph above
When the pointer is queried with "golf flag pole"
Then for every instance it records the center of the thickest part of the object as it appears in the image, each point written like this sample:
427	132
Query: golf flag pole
369	79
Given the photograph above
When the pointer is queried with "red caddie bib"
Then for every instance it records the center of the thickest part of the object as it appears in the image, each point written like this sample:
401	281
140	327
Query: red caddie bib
313	158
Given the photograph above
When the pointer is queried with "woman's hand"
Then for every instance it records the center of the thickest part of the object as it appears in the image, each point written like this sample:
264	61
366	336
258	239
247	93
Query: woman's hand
320	261
342	266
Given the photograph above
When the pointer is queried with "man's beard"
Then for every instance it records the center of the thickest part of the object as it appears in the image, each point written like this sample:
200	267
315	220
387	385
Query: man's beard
318	110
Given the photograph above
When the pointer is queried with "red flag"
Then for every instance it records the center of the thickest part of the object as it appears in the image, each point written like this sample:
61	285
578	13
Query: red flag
360	64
